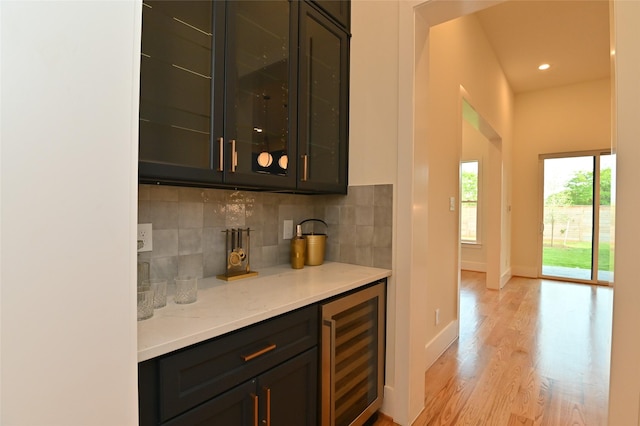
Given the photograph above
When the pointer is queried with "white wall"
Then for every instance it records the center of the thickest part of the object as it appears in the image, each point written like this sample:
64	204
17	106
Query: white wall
373	109
373	130
68	194
576	118
624	398
460	56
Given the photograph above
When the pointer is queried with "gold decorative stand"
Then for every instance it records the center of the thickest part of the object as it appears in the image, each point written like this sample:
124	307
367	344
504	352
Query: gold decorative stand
237	243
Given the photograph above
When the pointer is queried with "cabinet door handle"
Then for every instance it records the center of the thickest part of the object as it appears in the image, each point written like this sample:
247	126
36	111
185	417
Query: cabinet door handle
268	391
258	353
234	156
255	409
221	154
305	168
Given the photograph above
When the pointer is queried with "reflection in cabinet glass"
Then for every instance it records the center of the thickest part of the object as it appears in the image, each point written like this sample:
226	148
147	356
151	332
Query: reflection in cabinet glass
258	80
175	91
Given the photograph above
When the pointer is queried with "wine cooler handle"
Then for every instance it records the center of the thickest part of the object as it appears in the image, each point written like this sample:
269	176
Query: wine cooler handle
328	385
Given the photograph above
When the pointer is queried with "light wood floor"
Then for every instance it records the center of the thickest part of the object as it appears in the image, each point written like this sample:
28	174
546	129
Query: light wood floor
535	353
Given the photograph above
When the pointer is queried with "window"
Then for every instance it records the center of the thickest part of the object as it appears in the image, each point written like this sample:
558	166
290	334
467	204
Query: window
469	183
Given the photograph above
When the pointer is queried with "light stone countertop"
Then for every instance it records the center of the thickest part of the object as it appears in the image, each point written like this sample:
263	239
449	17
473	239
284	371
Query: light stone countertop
224	306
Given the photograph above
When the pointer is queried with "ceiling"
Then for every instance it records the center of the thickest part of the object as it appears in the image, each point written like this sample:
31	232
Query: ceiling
571	35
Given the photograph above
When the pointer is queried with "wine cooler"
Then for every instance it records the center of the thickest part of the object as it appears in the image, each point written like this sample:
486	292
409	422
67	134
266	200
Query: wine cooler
352	375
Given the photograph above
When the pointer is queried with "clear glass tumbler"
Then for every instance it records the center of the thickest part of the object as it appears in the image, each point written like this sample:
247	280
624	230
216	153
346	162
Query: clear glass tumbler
145	303
186	290
159	287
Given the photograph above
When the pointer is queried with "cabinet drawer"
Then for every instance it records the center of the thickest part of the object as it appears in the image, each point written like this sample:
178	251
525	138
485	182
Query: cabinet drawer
194	375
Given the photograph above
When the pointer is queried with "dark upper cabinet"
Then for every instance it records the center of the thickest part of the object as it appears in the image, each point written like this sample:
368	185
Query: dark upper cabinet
177	93
340	10
243	94
260	107
323	103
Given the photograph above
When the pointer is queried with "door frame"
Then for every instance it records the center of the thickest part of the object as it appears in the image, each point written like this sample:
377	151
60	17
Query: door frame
595	243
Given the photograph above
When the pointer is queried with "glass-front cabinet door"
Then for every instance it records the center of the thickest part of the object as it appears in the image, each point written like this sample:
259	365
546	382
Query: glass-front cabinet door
260	107
176	92
323	85
250	94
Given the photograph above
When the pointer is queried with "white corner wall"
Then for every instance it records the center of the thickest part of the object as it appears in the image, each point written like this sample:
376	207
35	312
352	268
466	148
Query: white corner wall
68	138
624	397
373	109
373	132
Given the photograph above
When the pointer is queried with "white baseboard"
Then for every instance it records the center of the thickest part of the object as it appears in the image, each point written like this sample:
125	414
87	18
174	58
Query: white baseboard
388	407
524	271
506	276
473	266
440	343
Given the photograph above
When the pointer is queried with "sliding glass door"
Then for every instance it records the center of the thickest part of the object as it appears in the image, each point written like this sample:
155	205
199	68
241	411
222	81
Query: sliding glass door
577	217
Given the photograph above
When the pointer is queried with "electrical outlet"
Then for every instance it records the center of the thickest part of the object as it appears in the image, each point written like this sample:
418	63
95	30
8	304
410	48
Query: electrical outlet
145	237
287	230
437	316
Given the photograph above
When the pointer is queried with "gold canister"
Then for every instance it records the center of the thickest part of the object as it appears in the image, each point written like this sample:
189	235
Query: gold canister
316	245
298	249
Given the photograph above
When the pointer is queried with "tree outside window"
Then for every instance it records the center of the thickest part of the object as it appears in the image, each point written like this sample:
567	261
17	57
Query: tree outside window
469	182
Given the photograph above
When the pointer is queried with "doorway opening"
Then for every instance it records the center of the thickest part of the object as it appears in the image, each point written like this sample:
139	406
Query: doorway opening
481	196
577	227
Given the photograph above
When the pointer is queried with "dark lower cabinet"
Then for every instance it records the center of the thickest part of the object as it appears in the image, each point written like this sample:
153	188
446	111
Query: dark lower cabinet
288	393
262	374
234	407
284	395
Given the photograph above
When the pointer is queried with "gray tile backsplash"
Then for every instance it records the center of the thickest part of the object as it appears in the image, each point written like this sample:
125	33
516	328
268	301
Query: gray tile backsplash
188	225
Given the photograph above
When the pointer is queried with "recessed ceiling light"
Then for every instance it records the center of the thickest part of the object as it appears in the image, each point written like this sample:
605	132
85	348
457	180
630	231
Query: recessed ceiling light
543	67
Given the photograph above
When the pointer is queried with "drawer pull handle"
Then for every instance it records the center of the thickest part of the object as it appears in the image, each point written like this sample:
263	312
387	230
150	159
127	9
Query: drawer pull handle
258	353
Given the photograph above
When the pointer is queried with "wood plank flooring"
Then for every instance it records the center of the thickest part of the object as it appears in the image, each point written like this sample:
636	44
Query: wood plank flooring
535	353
